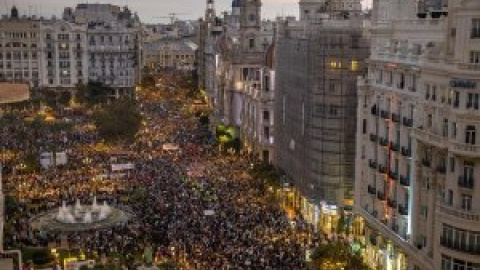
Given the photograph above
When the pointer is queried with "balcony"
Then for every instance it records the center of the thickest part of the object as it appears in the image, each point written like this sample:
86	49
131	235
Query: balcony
395	146
385	114
391	203
408	122
395	118
461	247
465	149
462	214
465	182
381	196
404	181
430	138
382	169
383	141
372	163
426	163
406	152
373	137
441	169
371	190
403	210
393	175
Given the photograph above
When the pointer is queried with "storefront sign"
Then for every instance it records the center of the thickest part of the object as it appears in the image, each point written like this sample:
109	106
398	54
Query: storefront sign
459	83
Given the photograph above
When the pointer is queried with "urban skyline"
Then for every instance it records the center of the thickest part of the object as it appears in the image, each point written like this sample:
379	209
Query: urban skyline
188	8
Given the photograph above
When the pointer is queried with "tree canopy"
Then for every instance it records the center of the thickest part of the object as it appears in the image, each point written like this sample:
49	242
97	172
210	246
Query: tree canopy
118	121
337	255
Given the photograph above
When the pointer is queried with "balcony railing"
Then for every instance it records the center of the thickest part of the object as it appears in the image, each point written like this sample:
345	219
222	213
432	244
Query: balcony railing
466	182
403	210
391	203
381	196
462	247
393	175
395	146
373	137
385	114
372	163
383	141
395	118
404	181
426	163
406	151
371	190
408	122
466	148
467	215
382	168
441	169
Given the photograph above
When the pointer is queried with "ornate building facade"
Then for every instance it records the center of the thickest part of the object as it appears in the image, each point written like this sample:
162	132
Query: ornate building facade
417	152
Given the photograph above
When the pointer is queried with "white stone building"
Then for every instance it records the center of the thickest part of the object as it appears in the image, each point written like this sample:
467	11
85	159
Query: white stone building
114	44
64	54
20	54
170	54
417	154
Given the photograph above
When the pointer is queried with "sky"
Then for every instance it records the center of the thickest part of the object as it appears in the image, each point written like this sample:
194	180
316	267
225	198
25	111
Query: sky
150	10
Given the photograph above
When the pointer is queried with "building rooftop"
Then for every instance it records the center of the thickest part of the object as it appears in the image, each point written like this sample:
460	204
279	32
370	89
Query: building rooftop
14	92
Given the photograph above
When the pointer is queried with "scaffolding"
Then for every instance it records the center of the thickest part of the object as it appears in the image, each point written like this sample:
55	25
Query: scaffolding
316	74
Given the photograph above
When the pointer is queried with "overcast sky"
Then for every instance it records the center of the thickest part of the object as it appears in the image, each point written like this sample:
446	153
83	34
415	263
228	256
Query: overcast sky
149	9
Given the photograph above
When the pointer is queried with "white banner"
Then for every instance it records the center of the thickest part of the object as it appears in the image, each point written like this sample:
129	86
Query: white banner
122	167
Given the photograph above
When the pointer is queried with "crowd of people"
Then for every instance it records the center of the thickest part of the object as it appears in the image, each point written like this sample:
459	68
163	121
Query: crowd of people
216	217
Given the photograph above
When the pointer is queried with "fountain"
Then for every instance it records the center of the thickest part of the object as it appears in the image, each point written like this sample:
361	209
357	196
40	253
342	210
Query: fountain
78	217
83	214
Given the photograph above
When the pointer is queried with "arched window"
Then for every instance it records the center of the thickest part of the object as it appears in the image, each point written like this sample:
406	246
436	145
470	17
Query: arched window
470	135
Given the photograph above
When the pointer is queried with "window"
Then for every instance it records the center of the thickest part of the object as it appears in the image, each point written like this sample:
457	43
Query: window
364	126
430	120
266	116
466	202
266	133
434	92
454	130
470	135
475	28
450	197
472	101
354	65
401	83
474	57
427	91
452	164
445	128
424	212
251	43
456	100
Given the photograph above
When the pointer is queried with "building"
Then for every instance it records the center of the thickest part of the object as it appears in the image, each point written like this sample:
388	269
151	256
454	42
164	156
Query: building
232	69
417	154
114	44
20	54
317	64
170	54
64	54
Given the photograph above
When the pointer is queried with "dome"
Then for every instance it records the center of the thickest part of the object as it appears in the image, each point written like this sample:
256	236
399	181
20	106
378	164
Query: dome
237	3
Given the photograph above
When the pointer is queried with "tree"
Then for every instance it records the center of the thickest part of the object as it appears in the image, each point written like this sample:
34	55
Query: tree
80	93
118	121
97	92
64	98
337	255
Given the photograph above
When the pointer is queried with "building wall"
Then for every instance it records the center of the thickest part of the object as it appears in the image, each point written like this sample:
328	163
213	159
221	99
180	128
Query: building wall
417	166
315	109
20	54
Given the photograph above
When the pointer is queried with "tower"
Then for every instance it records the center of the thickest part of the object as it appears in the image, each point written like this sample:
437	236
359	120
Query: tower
250	25
210	12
